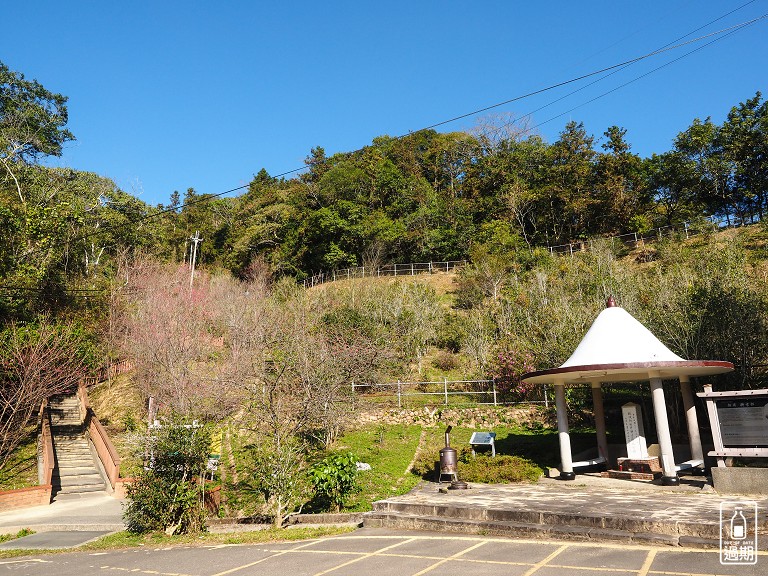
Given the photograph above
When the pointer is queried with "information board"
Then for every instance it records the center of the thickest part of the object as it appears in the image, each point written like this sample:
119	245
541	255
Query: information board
743	421
482	438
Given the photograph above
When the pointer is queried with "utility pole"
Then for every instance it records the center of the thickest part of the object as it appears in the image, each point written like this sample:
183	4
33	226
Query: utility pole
196	239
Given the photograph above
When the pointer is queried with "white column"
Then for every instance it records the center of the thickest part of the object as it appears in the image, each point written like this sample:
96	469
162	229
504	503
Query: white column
662	431
694	436
597	406
566	460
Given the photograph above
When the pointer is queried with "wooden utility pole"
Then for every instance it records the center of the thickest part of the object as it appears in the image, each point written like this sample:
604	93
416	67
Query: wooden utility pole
196	240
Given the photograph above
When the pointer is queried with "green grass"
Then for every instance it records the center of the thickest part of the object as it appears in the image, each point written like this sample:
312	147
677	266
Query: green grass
122	540
538	445
20	534
389	450
21	470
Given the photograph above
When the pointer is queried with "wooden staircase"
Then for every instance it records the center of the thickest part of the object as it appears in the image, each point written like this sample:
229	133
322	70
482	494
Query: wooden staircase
76	470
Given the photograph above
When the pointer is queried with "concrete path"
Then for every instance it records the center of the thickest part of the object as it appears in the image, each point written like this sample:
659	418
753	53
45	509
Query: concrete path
584	509
391	553
70	521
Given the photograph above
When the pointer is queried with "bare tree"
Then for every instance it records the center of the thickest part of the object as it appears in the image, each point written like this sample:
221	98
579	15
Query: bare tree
36	362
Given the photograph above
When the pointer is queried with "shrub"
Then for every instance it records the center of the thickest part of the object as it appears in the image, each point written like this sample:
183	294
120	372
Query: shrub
279	476
169	494
498	470
334	478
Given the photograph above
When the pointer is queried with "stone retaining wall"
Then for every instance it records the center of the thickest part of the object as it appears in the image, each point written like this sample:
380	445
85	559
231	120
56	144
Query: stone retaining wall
477	417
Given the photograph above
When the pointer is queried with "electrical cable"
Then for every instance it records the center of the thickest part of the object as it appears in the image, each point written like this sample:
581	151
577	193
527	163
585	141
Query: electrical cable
207	197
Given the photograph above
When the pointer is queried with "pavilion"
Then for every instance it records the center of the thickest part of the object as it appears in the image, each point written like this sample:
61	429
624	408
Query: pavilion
618	348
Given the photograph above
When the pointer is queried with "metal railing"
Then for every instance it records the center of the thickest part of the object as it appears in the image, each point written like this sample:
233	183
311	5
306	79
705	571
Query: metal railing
409	269
486	392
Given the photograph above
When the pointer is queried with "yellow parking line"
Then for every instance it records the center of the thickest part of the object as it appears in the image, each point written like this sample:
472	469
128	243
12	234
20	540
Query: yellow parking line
544	562
363	557
244	566
647	564
444	560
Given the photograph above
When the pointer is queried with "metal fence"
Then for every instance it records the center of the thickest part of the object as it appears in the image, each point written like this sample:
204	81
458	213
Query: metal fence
632	239
640	239
446	392
410	269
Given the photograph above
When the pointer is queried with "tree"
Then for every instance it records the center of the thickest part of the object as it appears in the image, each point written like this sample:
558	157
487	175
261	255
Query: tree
32	121
618	185
36	362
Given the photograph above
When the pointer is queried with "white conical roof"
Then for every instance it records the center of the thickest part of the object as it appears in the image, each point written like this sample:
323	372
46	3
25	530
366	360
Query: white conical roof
617	348
616	337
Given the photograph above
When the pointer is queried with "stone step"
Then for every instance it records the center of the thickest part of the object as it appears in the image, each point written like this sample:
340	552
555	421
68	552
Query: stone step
77	479
71	450
449	517
79	489
84	470
533	531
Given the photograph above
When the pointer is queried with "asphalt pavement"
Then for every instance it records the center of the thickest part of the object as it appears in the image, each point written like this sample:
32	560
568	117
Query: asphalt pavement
387	552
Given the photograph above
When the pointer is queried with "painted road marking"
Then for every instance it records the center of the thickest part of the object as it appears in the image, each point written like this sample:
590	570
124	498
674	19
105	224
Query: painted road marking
545	561
364	556
455	556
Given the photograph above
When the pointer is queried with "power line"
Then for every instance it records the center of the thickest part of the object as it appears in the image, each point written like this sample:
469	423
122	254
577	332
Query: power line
616	71
207	197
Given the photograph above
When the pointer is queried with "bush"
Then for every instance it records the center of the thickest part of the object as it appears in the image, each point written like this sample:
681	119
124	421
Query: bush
334	478
169	494
498	470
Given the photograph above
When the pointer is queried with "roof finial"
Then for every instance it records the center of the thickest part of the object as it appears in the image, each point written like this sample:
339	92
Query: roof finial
611	303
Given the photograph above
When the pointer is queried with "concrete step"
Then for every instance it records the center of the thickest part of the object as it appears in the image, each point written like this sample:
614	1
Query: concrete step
77	470
90	479
80	489
532	524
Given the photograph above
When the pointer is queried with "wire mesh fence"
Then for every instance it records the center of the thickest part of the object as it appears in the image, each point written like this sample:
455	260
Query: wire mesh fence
409	269
447	393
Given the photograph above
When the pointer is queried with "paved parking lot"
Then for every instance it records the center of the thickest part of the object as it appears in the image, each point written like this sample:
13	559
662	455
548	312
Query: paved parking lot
383	553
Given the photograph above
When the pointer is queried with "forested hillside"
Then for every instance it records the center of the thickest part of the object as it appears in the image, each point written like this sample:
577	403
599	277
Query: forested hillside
492	195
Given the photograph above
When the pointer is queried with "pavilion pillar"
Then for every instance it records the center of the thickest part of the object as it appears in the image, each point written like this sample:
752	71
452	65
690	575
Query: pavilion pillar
597	406
662	431
566	459
694	435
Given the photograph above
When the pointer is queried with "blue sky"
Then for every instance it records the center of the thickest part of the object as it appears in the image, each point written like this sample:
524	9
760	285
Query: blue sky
167	95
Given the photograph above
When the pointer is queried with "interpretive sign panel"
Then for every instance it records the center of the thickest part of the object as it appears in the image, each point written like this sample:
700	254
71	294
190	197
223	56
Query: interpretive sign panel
743	421
483	439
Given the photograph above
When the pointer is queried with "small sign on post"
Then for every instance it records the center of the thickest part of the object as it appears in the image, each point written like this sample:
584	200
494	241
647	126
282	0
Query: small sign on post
483	439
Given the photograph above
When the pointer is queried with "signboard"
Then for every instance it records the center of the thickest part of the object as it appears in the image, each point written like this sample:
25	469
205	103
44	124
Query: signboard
482	438
743	421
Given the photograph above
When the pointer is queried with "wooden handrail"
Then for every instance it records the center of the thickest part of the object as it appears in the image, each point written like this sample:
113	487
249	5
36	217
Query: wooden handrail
104	447
110	460
46	440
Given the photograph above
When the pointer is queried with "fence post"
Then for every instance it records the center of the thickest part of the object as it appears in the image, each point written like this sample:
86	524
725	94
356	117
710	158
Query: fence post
395	269
411	268
546	397
347	273
353	387
445	388
399	401
446	267
430	267
363	271
494	391
686	230
378	272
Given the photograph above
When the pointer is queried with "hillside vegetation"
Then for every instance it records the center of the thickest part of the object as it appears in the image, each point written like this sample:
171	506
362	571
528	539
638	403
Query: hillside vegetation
244	360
